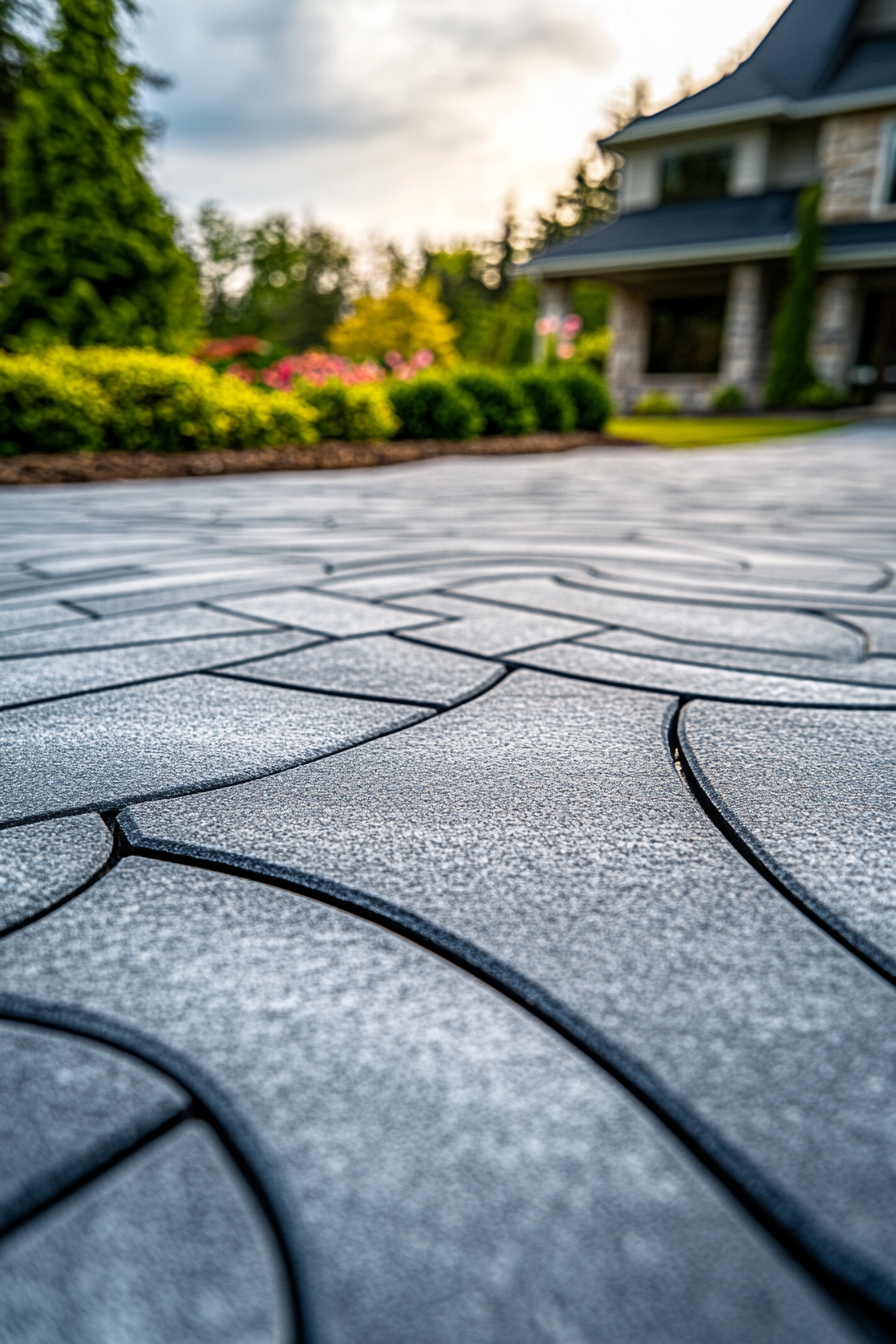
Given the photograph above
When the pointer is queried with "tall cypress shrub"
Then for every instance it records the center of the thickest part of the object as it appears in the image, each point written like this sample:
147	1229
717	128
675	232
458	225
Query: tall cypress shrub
791	369
15	56
92	252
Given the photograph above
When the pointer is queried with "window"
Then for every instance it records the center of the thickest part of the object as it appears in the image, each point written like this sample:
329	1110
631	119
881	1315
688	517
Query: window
686	335
696	177
889	193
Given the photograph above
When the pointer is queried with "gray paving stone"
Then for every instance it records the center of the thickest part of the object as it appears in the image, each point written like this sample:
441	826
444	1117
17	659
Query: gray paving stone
68	1105
592	662
379	666
167	1248
165	591
188	622
813	793
167	737
444	1166
542	827
473	627
38	616
42	863
324	613
777	631
874	671
46	676
881	632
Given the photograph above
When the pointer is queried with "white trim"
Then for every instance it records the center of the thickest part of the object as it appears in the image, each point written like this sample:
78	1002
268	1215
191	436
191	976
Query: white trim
885	169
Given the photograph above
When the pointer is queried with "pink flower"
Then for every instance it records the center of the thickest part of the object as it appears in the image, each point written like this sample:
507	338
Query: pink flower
546	326
572	325
394	359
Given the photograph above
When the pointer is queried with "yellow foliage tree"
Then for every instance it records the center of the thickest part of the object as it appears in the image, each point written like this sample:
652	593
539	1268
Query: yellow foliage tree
406	320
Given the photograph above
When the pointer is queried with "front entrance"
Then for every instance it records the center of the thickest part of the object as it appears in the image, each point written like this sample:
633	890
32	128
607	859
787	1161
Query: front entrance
877	346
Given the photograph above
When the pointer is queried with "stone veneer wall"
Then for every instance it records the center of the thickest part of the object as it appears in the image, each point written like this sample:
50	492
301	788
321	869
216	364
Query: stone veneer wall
628	354
849	154
834	338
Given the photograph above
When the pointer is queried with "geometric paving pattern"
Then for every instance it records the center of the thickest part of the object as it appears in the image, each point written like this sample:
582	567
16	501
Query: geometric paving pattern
453	902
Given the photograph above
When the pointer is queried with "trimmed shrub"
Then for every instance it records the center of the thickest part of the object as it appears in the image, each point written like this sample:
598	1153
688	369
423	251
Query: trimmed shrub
545	393
589	395
431	407
821	396
657	403
728	399
500	400
46	410
163	403
362	411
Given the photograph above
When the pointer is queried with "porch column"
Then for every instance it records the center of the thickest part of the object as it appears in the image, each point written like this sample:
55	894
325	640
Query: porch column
627	360
553	302
834	336
741	345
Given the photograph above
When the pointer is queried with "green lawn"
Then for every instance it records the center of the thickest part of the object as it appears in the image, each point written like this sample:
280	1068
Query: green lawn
677	431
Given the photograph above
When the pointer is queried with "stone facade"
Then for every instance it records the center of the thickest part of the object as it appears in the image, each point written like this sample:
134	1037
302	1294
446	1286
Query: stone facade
628	354
742	349
849	154
836	319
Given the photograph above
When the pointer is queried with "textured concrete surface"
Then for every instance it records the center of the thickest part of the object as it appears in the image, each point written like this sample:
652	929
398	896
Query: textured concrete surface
47	861
68	1105
496	870
813	793
379	666
167	1248
447	1167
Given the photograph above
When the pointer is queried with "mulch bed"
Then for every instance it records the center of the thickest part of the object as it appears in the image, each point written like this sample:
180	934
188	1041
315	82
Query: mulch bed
58	468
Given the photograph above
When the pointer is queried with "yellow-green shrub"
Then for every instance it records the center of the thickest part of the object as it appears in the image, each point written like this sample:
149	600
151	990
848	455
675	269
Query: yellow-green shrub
360	411
168	403
43	408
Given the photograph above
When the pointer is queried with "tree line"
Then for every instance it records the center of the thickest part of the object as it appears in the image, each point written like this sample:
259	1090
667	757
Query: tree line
91	254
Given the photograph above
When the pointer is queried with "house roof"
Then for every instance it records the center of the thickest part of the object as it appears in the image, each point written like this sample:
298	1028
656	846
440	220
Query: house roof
722	230
809	56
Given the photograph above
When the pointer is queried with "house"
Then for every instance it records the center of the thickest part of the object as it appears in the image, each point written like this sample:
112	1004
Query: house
697	256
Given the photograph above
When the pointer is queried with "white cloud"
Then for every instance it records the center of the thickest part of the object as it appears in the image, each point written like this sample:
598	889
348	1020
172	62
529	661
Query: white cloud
408	115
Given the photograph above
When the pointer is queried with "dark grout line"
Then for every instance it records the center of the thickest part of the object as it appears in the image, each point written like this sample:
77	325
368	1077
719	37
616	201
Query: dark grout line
688	768
854	1288
195	1110
326	690
80	1182
111	861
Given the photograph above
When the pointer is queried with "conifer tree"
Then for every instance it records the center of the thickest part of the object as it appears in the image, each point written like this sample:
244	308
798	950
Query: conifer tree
15	55
92	251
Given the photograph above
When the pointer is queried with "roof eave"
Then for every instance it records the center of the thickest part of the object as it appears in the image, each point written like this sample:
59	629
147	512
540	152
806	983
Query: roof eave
656	258
758	110
861	256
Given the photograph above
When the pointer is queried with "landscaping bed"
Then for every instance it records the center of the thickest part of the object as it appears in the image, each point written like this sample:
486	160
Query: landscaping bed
329	455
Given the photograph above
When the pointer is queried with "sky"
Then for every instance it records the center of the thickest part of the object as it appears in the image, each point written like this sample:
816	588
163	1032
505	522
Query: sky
408	118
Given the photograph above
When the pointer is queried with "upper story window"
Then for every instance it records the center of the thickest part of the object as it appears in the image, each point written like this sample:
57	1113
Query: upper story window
888	196
697	176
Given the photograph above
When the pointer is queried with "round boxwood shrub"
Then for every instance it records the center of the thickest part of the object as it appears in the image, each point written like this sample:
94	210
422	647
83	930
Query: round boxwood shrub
434	407
362	411
500	400
589	395
729	398
821	396
657	403
553	407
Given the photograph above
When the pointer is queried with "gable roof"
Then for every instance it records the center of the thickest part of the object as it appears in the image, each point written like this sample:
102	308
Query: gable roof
809	55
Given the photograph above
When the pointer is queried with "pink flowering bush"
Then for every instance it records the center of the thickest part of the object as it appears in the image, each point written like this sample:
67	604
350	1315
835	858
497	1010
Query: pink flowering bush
407	369
317	367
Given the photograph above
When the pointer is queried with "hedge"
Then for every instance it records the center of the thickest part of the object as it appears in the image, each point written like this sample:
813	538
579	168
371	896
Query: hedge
553	407
434	407
500	400
106	398
359	412
588	393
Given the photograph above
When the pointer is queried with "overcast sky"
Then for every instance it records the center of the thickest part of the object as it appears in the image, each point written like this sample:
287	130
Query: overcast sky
407	117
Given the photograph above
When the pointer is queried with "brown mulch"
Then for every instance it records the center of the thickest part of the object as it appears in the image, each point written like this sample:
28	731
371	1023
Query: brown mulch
58	468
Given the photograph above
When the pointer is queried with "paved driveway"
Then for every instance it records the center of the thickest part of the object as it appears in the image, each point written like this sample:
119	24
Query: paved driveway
453	903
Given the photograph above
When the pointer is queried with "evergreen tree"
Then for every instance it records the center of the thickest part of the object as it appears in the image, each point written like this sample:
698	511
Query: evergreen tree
93	256
791	369
15	56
